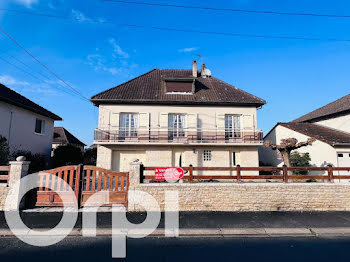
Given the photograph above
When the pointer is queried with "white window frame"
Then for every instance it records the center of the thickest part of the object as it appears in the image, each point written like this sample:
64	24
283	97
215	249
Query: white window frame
129	124
42	128
207	155
233	126
178	126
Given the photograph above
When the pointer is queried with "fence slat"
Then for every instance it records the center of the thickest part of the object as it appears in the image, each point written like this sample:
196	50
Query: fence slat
238	174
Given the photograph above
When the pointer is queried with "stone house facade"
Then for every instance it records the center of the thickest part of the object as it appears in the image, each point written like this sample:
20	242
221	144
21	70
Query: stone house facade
177	118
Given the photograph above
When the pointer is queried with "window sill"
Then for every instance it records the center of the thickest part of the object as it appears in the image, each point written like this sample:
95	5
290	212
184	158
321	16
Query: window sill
39	134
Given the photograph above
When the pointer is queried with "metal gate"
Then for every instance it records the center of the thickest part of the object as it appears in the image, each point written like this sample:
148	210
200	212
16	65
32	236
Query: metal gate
47	197
85	181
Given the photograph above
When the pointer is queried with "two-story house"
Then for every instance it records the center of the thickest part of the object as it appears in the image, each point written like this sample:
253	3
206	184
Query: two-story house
26	125
170	117
329	125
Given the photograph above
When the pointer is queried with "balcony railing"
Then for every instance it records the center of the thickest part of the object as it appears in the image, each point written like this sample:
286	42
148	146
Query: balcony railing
181	135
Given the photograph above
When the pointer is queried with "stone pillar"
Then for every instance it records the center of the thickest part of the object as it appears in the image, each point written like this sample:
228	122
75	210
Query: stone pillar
134	181
18	169
134	174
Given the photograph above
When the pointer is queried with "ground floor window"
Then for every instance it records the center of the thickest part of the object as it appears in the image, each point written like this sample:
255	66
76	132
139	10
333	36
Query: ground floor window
207	155
234	160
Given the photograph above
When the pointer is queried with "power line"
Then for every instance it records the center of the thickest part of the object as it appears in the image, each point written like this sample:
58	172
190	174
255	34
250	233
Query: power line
185	30
43	65
30	74
228	9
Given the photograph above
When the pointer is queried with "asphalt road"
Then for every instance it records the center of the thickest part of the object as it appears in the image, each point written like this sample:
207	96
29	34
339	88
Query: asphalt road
183	249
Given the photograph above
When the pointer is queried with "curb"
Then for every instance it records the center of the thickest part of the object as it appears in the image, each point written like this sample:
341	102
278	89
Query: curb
215	232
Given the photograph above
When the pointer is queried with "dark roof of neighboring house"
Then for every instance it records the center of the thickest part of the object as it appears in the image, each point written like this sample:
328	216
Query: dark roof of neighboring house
150	88
9	96
324	134
339	106
63	136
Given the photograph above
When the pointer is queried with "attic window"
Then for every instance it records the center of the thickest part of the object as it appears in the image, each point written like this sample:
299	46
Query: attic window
179	86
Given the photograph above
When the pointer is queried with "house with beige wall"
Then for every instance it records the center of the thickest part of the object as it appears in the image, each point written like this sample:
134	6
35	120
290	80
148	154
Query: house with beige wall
26	125
329	125
170	117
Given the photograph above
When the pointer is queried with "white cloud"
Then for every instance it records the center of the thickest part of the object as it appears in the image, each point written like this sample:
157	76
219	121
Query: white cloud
117	49
9	80
188	49
27	3
79	15
98	62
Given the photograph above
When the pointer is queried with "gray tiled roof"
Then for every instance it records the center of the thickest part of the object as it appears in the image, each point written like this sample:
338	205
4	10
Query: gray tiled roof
324	134
338	106
62	135
150	88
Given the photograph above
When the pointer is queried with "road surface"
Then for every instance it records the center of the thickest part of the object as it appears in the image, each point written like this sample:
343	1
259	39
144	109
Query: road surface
183	249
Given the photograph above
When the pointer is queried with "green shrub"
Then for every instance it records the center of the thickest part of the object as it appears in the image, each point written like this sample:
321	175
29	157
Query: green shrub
67	155
4	151
90	157
38	162
300	160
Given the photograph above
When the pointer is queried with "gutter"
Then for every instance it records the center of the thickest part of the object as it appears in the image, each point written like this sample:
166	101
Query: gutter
341	144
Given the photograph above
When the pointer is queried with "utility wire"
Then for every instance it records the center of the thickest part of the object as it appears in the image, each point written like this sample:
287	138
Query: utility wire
43	65
228	9
30	74
182	30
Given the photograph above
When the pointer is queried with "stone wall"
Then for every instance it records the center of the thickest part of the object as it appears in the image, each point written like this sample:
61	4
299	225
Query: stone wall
246	196
3	194
253	197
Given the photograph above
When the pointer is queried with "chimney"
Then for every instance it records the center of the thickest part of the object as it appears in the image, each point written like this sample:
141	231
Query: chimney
203	71
194	69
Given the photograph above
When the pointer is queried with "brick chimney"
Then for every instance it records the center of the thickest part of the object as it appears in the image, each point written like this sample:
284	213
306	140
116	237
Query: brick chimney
194	69
203	71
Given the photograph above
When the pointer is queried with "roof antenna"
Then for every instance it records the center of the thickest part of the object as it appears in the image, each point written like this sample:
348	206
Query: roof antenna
200	57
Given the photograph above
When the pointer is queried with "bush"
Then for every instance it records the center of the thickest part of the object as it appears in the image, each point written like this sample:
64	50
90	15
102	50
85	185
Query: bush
67	155
37	161
90	157
4	151
300	160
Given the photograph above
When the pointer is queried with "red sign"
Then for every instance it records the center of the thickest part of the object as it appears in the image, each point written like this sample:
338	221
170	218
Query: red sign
168	173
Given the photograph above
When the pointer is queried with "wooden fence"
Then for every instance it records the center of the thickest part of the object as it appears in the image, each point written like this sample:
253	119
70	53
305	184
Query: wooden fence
4	173
283	174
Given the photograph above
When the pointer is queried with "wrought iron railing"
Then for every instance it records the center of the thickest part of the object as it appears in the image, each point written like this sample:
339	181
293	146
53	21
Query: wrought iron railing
182	135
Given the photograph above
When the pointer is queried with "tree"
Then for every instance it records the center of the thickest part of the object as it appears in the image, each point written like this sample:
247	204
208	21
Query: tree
67	155
90	157
287	146
4	151
300	160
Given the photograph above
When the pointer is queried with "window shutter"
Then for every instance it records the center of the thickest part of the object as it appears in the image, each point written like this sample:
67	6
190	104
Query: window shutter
192	121
163	120
114	121
248	122
144	121
220	121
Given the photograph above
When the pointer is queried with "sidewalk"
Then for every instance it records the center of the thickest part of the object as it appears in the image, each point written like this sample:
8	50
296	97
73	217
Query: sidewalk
262	224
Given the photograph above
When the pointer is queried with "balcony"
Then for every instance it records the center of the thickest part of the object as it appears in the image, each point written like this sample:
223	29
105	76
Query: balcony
177	136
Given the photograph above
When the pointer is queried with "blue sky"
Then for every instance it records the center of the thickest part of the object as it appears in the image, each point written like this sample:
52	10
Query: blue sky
293	76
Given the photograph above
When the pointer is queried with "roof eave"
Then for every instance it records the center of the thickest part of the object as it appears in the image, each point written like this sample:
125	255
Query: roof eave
98	102
49	115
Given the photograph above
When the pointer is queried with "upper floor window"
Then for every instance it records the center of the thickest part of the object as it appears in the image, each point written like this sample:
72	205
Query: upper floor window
180	86
233	126
129	124
177	124
39	126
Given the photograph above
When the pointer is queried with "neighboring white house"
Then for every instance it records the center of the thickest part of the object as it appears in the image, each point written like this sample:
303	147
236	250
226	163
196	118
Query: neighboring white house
62	137
26	125
172	117
329	125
